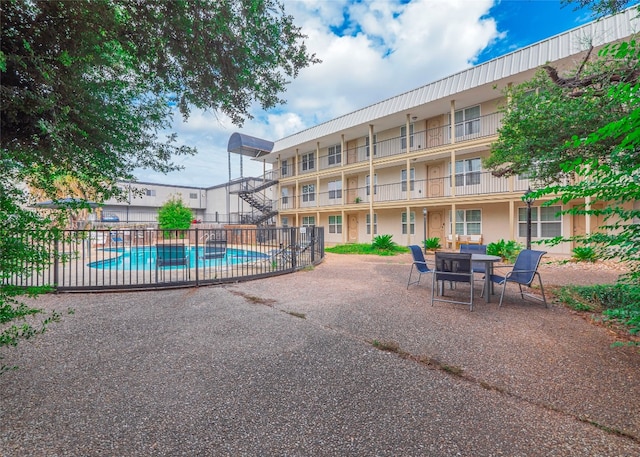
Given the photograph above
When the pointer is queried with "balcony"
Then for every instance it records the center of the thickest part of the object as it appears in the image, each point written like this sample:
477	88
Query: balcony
470	184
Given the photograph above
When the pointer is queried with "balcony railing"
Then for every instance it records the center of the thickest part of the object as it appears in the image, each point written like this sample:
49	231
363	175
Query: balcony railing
469	184
470	130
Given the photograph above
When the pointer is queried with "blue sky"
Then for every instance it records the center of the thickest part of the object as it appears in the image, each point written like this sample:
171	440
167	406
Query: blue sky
370	50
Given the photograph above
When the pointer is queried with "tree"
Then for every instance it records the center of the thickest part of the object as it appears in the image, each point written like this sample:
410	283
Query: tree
87	88
578	135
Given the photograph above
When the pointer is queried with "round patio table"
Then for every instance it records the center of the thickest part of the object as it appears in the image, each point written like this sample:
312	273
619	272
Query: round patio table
488	261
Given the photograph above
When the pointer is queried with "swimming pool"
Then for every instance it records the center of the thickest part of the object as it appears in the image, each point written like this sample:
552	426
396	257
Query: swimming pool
144	258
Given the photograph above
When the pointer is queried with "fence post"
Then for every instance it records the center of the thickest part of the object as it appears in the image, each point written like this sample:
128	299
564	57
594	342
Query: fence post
313	244
292	247
196	260
56	257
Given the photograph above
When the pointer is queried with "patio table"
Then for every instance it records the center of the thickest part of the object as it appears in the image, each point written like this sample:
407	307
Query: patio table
488	261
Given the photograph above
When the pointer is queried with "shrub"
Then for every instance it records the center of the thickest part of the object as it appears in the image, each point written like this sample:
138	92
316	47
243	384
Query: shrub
383	242
508	250
432	243
173	215
619	302
584	254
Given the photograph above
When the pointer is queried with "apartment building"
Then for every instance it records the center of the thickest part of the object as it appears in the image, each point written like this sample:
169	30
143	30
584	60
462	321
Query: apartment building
411	165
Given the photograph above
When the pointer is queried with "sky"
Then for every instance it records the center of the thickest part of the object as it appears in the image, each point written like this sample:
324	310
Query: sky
370	50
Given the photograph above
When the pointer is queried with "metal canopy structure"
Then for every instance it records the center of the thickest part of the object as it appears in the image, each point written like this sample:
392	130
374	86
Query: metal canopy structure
248	145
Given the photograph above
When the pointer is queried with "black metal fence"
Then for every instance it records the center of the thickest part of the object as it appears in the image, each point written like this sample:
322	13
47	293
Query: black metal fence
100	260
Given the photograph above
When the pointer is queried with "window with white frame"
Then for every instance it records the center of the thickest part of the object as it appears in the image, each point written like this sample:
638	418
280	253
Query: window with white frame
403	136
403	178
309	193
546	222
375	223
409	226
193	195
335	224
367	182
284	168
468	172
468	221
151	192
284	221
285	195
375	144
308	221
335	155
467	121
308	161
335	189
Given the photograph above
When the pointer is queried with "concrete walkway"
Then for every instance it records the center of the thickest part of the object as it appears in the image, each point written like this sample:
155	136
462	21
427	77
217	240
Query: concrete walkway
294	366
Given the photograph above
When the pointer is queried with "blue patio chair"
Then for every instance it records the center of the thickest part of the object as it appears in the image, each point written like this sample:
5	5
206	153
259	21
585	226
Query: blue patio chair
214	249
524	271
171	255
452	267
419	263
478	267
116	238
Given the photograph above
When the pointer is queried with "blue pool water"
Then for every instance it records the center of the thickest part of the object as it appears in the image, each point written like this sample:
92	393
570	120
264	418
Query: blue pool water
144	258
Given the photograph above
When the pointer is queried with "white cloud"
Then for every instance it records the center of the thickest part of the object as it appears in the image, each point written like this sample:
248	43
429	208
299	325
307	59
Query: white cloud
386	48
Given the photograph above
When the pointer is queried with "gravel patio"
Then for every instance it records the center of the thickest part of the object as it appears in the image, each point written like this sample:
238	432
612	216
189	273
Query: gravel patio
294	366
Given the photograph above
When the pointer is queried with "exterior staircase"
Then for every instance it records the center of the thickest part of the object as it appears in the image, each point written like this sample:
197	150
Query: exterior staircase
262	208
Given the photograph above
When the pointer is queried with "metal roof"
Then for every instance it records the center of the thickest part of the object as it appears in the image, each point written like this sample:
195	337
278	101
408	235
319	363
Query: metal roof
248	145
572	42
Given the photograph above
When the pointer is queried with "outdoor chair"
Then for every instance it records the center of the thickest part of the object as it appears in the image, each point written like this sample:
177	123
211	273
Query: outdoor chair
171	255
214	249
524	271
116	238
419	263
478	267
453	267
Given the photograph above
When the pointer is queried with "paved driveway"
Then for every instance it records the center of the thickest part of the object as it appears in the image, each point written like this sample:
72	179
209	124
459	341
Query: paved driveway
293	366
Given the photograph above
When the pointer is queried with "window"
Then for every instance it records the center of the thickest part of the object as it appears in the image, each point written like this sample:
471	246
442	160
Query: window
285	168
546	222
193	195
308	161
335	224
468	172
308	221
467	121
151	192
411	224
284	221
403	136
335	189
468	222
403	178
335	155
375	144
375	224
309	193
367	183
285	195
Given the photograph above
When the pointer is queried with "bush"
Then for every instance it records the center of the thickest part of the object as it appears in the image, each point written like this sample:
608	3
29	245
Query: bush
584	254
508	250
618	302
432	243
383	243
173	215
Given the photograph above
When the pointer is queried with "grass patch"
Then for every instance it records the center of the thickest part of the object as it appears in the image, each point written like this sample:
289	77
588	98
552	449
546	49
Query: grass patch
618	303
366	249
